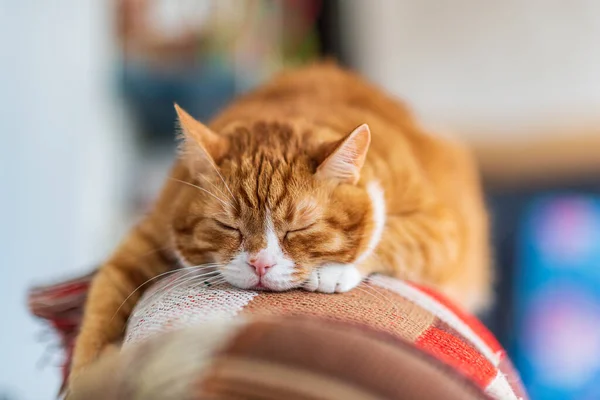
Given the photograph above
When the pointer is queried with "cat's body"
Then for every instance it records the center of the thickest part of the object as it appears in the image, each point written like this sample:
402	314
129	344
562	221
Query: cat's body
301	206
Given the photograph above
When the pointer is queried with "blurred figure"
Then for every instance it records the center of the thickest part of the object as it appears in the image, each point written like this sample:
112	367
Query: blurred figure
200	54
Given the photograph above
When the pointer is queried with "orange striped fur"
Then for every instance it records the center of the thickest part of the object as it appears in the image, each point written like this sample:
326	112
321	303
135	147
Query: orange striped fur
308	196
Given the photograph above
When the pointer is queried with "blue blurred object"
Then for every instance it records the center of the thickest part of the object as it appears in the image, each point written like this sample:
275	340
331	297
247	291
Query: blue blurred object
150	93
557	301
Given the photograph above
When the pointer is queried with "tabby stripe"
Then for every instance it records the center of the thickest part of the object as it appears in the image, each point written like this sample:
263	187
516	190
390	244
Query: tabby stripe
165	257
245	196
147	237
194	251
282	195
258	175
333	255
185	230
268	191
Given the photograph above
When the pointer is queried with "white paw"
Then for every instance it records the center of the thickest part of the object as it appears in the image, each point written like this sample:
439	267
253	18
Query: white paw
333	278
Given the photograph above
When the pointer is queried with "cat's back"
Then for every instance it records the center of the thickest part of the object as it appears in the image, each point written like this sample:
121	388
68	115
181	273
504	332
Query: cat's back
323	93
326	86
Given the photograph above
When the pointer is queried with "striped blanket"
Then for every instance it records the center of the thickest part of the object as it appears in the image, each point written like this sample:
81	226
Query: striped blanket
388	339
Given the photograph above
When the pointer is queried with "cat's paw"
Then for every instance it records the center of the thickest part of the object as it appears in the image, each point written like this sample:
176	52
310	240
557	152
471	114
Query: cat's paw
333	278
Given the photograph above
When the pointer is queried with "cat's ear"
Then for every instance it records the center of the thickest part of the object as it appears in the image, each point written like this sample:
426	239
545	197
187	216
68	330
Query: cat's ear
347	158
200	146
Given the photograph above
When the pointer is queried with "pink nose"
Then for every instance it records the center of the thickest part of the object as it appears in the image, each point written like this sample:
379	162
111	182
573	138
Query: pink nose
261	265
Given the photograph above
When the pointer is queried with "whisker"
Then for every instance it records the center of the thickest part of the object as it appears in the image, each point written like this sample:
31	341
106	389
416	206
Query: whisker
215	186
207	275
153	251
218	277
204	190
221	177
171	285
154	296
209	282
226	268
150	280
188	281
382	296
138	288
199	268
205	269
367	292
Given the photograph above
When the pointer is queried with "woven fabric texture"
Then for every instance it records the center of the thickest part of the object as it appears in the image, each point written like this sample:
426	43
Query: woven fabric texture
178	314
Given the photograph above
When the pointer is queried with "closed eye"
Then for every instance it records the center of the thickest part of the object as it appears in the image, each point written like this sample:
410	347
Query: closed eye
299	230
225	226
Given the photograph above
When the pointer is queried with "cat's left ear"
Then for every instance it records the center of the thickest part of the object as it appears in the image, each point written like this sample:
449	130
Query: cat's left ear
345	162
200	146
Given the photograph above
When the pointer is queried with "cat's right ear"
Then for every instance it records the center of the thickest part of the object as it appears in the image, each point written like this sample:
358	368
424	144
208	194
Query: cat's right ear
200	146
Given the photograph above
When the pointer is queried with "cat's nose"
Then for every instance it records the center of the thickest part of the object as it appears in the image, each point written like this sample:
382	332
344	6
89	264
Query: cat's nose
261	264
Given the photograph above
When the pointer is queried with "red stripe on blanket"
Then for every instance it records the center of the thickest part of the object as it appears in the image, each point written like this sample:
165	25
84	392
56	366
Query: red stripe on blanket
472	322
458	354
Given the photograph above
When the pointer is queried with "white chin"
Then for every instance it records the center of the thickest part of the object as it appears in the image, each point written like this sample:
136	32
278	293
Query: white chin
253	283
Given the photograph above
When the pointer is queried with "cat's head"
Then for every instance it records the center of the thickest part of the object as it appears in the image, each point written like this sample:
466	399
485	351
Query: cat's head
267	204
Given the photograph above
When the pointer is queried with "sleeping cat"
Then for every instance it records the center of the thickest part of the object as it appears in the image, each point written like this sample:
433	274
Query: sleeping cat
313	181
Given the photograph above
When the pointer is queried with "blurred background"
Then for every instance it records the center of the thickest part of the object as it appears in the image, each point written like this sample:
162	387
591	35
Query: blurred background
86	122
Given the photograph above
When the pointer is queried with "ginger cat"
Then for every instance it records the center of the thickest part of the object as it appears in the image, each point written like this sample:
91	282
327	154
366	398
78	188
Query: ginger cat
313	181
